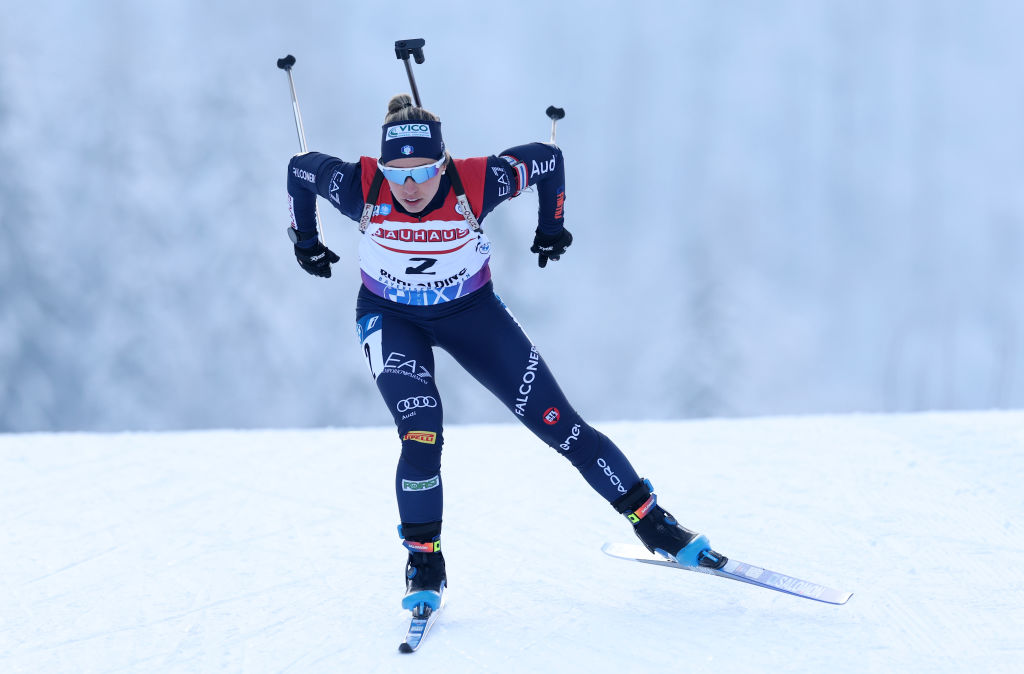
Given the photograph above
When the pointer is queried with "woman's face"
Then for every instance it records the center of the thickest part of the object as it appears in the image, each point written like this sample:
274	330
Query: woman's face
414	196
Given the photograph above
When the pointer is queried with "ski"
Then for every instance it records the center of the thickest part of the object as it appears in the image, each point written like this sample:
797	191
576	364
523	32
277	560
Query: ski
423	617
736	570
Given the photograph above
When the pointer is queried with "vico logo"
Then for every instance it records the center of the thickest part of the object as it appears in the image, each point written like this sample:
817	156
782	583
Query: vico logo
408	131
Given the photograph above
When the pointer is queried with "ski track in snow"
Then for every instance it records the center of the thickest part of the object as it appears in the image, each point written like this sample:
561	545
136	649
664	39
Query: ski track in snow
276	551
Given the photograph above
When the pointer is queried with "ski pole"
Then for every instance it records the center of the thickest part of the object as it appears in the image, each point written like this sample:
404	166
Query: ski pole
555	114
405	48
286	64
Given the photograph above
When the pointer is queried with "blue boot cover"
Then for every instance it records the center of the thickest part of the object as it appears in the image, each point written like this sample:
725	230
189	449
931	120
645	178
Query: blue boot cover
427	597
689	555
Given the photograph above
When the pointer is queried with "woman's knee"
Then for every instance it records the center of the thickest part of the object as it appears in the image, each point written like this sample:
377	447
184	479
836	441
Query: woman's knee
421	449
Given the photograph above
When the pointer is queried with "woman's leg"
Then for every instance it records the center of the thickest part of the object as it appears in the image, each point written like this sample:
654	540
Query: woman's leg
487	341
401	361
490	344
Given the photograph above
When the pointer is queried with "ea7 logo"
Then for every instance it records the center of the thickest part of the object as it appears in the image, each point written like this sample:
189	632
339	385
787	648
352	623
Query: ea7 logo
395	362
503	183
551	416
500	174
335	187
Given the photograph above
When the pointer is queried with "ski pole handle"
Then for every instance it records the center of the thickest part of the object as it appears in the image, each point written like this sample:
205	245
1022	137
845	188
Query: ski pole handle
286	64
555	114
414	48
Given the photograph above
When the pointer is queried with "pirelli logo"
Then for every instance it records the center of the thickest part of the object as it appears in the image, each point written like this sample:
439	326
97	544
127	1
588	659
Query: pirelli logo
426	437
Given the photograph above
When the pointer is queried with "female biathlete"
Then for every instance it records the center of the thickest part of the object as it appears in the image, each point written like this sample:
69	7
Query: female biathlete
427	283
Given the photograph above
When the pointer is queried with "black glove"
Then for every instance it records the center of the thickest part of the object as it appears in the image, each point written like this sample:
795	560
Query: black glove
317	259
550	246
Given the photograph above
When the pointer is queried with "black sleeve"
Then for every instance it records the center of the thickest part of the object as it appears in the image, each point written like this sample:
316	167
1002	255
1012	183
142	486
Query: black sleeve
519	167
314	173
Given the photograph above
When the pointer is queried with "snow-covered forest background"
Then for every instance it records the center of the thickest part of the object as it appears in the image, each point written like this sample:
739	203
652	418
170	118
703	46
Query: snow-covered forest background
779	208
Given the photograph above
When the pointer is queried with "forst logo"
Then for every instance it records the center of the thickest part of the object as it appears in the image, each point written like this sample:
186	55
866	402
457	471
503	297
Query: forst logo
408	131
411	485
551	416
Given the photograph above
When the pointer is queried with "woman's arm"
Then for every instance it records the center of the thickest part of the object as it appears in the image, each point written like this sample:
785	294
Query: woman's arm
314	173
522	166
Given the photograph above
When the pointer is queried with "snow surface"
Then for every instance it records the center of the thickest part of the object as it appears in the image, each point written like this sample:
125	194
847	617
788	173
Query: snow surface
276	551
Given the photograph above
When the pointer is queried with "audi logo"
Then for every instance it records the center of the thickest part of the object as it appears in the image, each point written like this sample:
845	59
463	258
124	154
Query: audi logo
418	401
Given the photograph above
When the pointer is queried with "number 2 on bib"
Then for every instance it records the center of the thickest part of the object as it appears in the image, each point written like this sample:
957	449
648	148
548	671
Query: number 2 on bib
425	264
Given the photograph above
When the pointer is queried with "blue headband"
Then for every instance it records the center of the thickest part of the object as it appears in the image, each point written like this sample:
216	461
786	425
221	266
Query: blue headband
411	138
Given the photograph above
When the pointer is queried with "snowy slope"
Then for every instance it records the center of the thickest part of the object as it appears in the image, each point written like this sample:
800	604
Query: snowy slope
276	551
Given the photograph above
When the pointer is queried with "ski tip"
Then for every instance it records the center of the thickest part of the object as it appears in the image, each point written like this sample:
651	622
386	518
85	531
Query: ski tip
404	647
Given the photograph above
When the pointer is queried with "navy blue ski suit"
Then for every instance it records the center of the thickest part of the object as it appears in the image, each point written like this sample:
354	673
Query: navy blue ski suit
426	284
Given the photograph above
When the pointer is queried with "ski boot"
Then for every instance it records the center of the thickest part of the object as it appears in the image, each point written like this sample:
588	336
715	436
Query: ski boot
425	578
661	533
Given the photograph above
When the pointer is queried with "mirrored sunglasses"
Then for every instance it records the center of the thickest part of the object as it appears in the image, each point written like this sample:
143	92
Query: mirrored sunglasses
420	174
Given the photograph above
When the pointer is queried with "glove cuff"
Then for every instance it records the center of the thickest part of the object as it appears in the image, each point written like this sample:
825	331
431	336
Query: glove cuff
303	239
546	238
